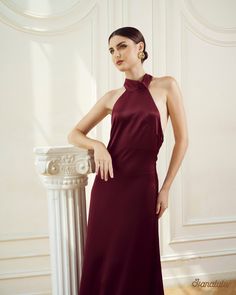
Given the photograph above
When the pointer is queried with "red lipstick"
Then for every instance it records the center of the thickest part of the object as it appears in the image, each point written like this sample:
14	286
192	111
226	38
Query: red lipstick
119	62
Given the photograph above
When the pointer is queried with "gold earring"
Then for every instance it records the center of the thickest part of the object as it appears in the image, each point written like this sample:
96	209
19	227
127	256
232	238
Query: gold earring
141	55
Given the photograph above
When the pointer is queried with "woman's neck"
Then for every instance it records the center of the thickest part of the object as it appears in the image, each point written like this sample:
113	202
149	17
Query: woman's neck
136	74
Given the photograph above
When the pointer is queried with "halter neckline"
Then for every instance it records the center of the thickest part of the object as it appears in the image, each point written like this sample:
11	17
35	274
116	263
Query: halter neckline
135	84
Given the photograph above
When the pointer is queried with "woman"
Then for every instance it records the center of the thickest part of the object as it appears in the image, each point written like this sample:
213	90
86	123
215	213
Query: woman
122	254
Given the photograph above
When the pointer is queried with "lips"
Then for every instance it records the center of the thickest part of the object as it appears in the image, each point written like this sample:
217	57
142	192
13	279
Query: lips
119	62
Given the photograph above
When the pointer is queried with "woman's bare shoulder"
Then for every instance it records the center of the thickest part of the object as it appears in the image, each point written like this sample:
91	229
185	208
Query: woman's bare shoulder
111	96
113	92
108	96
164	81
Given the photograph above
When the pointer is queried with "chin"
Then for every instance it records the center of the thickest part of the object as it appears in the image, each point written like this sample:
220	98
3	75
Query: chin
122	68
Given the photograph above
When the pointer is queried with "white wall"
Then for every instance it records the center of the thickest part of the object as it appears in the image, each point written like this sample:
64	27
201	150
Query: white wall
55	64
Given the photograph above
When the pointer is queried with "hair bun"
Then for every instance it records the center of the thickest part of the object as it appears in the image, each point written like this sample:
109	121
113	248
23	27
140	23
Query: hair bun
146	54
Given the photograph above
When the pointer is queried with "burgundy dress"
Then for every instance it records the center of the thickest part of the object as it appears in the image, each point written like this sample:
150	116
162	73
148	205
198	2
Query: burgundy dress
122	244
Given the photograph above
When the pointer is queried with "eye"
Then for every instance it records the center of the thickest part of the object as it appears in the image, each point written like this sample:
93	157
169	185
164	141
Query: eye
121	46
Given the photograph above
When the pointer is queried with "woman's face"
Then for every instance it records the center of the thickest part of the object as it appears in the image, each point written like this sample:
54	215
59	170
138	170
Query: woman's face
125	50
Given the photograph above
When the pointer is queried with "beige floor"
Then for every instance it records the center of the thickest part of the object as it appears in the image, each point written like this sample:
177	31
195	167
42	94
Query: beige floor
190	290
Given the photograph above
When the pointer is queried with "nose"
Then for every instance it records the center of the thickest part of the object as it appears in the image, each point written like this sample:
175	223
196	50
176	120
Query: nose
117	53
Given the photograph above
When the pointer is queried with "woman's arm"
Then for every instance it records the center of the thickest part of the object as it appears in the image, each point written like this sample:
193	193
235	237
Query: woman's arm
77	135
179	123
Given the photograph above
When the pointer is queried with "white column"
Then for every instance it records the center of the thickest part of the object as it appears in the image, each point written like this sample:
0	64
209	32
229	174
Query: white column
63	171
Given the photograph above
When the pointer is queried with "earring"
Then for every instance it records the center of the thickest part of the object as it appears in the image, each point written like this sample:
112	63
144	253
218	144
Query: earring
141	55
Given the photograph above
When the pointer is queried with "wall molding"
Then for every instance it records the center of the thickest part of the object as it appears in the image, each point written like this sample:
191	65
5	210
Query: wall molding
203	21
175	240
207	221
52	24
197	255
22	237
188	24
25	256
11	5
24	274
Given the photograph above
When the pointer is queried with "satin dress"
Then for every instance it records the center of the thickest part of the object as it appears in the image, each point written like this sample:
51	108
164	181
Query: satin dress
122	255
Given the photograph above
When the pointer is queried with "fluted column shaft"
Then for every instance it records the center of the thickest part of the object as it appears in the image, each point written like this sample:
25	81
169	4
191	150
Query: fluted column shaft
63	171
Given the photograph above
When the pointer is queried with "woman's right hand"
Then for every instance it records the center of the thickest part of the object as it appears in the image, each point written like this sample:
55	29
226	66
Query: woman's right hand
103	160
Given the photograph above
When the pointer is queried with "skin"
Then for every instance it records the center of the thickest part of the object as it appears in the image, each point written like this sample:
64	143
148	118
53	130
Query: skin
166	94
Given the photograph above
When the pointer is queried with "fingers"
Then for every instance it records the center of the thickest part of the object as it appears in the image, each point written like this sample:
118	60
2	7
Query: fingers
99	166
106	170
160	213
160	209
96	166
110	169
105	167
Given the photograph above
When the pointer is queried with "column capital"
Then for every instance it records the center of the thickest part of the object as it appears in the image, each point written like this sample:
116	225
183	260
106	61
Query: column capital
64	166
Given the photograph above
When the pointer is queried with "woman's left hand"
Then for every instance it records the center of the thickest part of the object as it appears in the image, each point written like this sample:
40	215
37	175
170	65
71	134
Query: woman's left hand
162	202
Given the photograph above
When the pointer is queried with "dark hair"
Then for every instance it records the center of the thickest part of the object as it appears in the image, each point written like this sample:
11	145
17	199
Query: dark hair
133	34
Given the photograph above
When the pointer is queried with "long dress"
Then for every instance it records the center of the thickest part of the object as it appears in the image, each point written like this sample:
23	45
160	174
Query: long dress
122	254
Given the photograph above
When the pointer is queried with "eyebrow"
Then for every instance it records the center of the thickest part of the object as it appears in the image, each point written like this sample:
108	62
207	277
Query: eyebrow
118	44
